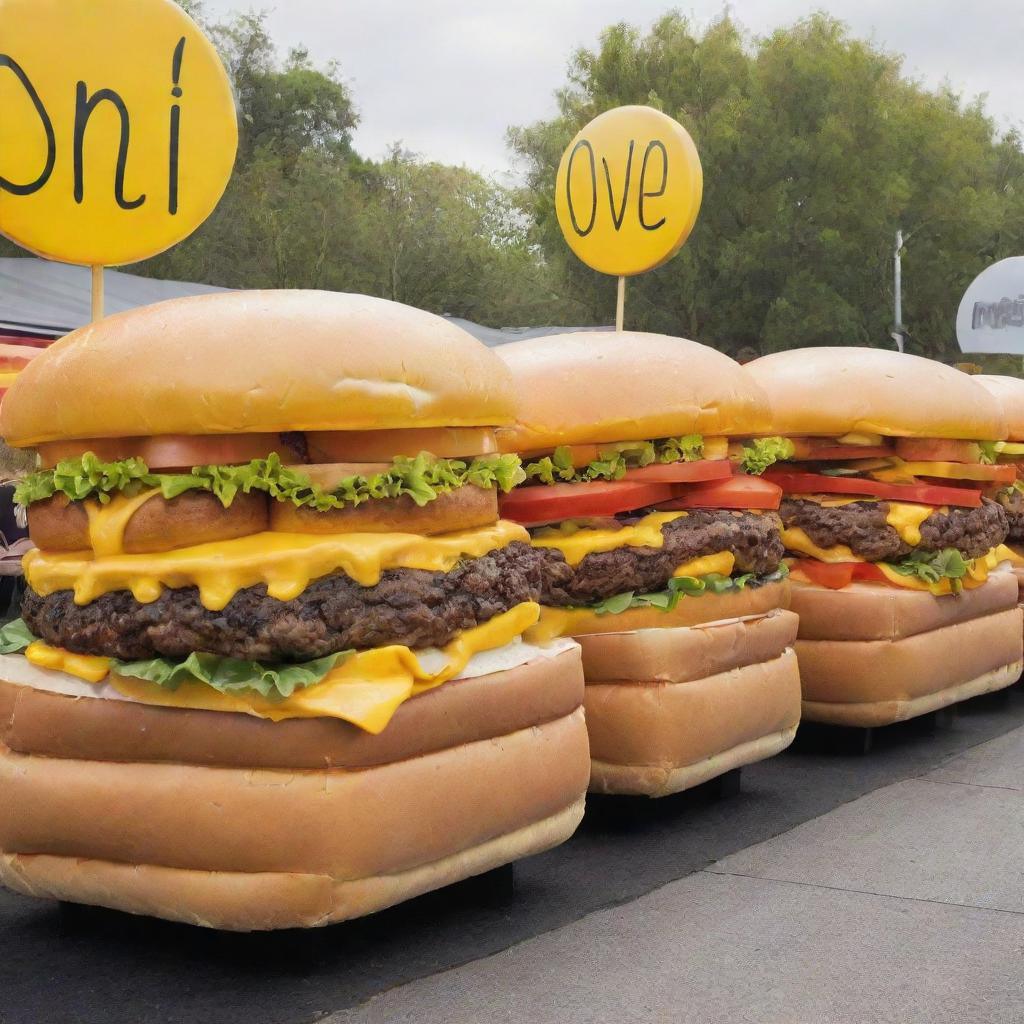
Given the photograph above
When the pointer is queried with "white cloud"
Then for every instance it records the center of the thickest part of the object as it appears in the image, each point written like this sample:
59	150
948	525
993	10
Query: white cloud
447	78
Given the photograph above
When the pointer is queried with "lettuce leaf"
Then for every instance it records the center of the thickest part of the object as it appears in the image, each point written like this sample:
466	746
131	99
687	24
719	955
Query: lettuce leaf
933	566
685	586
988	450
231	675
423	478
762	452
615	459
228	675
15	637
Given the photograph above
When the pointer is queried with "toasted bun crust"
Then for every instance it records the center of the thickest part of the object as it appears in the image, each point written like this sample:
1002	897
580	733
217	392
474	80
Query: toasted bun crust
651	736
1009	391
876	682
833	391
262	901
450	794
464	711
195	517
870	611
597	387
266	361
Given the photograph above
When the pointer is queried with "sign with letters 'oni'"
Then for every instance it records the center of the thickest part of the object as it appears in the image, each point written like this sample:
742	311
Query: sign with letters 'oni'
118	129
628	190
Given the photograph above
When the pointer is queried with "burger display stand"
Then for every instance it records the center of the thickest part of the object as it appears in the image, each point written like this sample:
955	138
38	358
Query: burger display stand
291	760
877	648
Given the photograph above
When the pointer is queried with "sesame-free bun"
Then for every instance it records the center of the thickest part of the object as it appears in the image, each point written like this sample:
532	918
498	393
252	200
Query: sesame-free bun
257	361
835	391
592	387
1009	391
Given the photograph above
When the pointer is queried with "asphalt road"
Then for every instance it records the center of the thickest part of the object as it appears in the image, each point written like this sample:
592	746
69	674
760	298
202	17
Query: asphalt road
103	968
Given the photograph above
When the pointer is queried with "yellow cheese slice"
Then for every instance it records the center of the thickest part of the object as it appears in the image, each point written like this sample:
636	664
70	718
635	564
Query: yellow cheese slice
107	523
89	667
906	520
721	563
285	562
575	544
796	540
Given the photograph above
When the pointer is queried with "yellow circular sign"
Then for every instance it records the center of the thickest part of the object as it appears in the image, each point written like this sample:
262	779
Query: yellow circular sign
628	190
118	129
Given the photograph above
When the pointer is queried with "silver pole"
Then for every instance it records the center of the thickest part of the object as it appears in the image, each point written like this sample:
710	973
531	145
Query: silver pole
897	275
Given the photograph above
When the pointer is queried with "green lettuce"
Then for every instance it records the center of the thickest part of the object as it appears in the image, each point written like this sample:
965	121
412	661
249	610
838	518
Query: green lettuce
231	675
615	459
227	675
15	637
762	452
685	586
933	566
988	451
422	478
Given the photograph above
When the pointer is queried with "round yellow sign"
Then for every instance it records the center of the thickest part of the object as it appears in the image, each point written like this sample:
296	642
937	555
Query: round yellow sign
628	190
118	128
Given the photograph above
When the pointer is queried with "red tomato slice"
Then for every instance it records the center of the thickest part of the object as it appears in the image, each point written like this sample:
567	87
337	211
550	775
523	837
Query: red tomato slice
172	451
936	449
836	575
739	491
925	494
547	503
682	472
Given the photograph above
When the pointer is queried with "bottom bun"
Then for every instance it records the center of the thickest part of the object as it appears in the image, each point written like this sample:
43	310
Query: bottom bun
647	780
662	727
878	682
262	901
870	714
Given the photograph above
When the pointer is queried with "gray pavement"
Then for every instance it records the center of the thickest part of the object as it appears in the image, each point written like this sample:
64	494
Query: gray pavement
905	905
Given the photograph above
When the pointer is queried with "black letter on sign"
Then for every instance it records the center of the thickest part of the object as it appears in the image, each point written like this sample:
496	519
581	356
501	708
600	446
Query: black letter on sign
176	92
84	106
617	220
655	144
44	118
582	232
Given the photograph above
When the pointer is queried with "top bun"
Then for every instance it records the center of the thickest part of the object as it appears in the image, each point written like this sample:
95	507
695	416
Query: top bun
594	387
834	391
257	361
1009	391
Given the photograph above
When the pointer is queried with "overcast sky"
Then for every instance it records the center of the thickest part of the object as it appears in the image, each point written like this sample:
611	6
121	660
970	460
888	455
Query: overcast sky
446	78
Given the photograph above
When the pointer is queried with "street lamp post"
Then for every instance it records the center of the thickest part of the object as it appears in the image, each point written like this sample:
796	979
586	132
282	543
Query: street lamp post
897	280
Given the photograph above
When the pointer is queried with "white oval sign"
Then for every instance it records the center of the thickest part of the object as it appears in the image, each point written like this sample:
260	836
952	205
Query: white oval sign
991	314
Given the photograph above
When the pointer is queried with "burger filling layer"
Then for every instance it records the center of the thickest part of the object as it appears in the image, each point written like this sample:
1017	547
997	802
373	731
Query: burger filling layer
751	539
411	607
864	527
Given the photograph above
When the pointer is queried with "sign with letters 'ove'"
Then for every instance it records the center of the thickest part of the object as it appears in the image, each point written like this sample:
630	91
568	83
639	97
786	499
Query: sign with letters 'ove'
118	129
628	190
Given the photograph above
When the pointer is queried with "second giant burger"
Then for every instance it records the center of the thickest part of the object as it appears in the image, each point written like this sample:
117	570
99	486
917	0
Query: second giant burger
661	551
270	670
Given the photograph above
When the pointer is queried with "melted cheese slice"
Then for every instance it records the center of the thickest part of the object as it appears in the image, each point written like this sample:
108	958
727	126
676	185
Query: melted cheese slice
285	562
722	563
906	520
107	523
796	540
576	544
977	573
365	689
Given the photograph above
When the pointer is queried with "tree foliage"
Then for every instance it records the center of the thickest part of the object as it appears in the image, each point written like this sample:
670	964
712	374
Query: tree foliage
815	150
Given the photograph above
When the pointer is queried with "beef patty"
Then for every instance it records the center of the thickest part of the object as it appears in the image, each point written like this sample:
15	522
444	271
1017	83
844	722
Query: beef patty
753	539
334	613
1012	502
862	527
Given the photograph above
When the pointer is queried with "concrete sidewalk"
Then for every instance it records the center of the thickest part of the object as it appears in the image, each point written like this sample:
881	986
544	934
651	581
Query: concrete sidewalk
906	905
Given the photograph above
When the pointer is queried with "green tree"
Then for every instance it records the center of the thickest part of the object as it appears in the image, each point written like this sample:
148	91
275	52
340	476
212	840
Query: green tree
815	150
